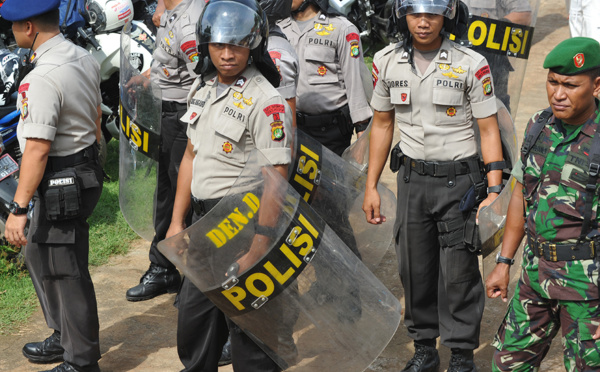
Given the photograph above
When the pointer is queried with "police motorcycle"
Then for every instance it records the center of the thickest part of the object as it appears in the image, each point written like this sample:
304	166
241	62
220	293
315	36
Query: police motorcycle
370	16
506	46
10	153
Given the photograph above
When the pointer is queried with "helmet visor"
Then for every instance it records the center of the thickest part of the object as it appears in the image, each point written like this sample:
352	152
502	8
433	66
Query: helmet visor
446	8
229	22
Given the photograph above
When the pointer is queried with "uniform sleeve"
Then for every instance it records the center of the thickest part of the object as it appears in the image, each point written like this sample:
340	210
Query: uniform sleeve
188	51
40	106
381	92
270	128
481	91
286	62
511	6
517	171
350	56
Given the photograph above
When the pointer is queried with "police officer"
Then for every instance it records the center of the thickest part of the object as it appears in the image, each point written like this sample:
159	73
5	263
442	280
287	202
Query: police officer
554	204
514	11
172	70
281	51
60	172
330	101
233	109
433	88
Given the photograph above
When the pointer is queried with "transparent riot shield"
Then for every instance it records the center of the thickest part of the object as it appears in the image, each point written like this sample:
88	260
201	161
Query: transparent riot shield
269	286
335	188
493	217
502	31
140	114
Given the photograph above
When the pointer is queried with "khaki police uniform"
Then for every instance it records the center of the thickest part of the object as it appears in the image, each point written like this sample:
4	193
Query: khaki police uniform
330	94
224	129
285	59
172	69
56	110
434	112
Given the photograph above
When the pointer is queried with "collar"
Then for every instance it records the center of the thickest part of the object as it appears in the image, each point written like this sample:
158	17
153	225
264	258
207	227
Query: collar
168	17
590	126
241	83
46	46
444	54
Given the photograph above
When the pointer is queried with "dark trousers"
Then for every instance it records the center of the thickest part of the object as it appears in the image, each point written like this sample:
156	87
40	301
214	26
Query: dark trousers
334	135
57	258
443	289
202	330
173	145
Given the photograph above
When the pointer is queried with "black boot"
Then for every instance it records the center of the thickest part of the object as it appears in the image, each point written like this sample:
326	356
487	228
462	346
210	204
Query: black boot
226	353
462	361
47	351
68	367
426	359
156	281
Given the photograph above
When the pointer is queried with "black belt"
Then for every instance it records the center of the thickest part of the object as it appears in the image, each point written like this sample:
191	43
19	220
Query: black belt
172	106
438	168
562	252
202	206
334	118
57	163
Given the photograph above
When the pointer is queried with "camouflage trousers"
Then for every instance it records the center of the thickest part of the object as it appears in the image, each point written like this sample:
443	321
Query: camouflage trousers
531	323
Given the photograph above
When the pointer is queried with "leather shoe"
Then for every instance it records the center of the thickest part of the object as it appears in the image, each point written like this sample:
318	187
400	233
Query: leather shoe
156	281
462	361
226	353
47	351
426	359
68	367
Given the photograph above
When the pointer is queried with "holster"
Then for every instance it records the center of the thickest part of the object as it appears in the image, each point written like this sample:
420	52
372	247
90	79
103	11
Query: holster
345	122
396	158
471	232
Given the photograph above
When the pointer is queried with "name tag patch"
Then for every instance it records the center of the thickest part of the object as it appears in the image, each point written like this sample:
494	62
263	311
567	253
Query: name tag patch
61	181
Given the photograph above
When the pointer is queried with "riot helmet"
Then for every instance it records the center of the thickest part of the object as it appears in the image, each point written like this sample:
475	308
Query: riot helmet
9	74
321	4
235	22
276	9
446	8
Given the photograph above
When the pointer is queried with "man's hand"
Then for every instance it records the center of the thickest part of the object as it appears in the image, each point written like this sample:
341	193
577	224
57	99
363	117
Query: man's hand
496	283
371	206
597	334
15	229
260	245
142	81
174	229
487	201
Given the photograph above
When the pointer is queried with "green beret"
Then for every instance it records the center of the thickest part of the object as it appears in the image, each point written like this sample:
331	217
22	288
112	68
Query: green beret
574	56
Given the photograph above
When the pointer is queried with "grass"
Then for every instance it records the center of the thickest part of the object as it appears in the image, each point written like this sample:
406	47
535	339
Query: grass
109	235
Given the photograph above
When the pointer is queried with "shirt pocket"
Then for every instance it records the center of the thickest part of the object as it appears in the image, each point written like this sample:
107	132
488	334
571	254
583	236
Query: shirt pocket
321	67
400	98
229	144
449	106
571	197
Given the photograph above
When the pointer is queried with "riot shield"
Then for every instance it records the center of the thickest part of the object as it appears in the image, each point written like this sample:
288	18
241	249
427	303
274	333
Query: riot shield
335	188
502	32
140	114
274	298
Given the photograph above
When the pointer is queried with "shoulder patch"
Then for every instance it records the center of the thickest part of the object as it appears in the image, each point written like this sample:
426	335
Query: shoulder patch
375	74
485	70
274	109
189	47
353	39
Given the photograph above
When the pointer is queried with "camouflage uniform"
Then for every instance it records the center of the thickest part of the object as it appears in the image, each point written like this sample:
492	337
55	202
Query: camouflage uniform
549	294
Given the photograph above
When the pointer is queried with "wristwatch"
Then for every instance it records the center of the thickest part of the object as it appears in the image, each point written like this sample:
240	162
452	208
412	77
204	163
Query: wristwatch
504	260
495	189
16	209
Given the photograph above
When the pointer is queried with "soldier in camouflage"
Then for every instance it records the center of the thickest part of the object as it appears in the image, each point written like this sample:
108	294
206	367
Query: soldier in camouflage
558	286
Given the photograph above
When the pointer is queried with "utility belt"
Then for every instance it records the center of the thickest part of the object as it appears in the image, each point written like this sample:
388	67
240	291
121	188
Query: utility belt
340	118
562	252
63	183
203	206
57	163
172	106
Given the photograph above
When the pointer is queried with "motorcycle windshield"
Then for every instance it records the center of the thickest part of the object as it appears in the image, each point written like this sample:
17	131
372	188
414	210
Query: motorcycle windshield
300	293
140	115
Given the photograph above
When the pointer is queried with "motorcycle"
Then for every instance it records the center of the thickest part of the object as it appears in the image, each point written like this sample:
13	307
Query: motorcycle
371	17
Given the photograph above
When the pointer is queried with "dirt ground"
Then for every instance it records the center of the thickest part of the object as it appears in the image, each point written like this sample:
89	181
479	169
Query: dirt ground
141	336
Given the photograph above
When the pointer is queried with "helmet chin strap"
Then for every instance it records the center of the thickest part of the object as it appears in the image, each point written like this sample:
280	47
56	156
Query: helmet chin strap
26	69
302	7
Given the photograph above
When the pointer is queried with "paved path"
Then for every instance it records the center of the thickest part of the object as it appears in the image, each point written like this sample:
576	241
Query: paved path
141	336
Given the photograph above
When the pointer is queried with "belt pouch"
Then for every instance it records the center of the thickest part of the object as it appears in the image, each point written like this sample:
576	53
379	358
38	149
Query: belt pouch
62	195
